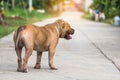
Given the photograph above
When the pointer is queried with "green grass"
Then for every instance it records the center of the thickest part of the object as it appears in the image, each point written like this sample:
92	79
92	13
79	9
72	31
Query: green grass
109	21
26	18
6	30
87	16
30	17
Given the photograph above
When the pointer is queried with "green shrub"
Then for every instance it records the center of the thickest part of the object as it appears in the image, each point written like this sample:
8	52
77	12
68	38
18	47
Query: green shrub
109	7
24	17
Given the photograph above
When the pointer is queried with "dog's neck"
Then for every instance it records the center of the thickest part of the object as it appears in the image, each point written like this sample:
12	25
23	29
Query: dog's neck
58	28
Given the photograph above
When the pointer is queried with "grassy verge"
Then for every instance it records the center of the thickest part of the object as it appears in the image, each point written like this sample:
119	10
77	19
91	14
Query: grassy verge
86	16
4	31
23	17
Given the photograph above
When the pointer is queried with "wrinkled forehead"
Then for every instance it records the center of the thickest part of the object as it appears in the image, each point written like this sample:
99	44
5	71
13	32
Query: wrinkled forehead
63	23
67	24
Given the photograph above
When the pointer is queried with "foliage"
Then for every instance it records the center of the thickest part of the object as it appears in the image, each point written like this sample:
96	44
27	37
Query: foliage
38	4
24	17
21	4
87	15
6	30
49	5
109	7
20	15
25	14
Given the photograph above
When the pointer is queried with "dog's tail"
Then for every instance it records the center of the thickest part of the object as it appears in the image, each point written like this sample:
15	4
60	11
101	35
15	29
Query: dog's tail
18	36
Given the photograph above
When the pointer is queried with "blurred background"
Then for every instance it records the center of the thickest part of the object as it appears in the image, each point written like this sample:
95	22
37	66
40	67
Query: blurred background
19	12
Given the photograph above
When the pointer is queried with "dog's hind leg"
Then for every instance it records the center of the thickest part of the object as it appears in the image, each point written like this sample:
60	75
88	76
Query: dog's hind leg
38	61
18	52
28	53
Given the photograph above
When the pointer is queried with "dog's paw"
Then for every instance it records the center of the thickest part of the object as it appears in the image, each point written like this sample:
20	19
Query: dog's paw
20	70
53	68
25	71
37	67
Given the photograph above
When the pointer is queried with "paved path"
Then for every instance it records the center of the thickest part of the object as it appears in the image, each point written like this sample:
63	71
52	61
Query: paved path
92	54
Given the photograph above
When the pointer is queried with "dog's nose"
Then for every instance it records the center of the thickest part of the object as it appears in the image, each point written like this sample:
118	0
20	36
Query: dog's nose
72	31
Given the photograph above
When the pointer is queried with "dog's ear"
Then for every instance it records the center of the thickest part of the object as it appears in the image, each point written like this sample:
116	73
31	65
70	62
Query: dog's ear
61	23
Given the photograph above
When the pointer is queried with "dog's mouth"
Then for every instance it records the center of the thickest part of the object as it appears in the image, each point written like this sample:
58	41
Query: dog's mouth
68	37
68	34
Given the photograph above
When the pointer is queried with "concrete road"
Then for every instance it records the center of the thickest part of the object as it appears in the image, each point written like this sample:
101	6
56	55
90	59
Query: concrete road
92	54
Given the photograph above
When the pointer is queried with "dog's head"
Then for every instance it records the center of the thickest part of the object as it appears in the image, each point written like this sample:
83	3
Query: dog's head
65	30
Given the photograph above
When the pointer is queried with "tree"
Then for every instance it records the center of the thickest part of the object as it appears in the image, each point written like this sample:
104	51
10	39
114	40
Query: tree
38	3
109	7
2	21
13	4
52	6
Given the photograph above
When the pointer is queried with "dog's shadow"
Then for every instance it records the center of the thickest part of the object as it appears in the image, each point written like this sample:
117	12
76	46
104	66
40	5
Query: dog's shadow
13	68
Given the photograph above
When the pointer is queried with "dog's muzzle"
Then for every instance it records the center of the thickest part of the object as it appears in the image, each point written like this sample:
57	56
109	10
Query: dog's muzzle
69	33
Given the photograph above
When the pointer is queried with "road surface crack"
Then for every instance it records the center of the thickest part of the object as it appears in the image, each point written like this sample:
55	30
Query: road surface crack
97	47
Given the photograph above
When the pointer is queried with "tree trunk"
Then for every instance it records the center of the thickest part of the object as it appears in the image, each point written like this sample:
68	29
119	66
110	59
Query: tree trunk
13	4
30	5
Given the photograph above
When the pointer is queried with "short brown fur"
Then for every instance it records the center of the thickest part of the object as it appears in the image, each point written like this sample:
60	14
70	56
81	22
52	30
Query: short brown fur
40	39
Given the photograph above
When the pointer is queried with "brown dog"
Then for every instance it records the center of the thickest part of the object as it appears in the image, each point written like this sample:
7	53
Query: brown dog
40	39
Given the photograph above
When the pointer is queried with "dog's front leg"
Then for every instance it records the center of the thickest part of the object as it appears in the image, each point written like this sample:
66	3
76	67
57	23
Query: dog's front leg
38	61
51	54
